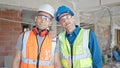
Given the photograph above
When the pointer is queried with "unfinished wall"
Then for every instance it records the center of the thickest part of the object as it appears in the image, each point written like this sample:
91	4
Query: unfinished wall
9	32
101	29
116	26
106	21
102	23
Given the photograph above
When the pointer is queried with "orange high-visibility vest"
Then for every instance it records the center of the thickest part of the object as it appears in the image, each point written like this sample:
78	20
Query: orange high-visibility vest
30	52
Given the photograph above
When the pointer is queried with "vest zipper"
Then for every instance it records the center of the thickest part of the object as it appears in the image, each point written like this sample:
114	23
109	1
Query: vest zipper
39	50
71	55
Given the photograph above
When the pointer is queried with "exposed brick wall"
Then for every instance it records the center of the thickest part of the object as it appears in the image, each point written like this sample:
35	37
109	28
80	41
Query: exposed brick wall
9	32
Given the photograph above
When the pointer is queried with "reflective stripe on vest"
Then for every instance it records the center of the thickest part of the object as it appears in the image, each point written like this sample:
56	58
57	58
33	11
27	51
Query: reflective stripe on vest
31	61
81	52
26	35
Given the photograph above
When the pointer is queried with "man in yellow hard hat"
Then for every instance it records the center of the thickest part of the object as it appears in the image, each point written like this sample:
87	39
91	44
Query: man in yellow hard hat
37	48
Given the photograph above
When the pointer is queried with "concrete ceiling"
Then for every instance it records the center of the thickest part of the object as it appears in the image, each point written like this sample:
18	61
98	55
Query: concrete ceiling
29	6
74	4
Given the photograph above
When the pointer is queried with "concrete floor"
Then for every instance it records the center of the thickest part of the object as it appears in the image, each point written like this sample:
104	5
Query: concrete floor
114	65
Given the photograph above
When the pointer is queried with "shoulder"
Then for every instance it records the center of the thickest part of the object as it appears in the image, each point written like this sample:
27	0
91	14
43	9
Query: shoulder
61	34
23	34
115	51
92	36
92	33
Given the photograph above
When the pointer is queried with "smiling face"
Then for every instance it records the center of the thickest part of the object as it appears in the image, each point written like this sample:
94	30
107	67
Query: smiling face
67	21
43	20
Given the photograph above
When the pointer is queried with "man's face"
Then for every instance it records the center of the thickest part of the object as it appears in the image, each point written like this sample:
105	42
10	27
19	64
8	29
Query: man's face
43	20
66	21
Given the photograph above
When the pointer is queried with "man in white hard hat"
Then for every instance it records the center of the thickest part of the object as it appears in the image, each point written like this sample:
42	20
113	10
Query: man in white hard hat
37	48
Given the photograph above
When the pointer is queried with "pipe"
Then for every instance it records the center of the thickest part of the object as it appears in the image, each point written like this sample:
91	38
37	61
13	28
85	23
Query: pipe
111	30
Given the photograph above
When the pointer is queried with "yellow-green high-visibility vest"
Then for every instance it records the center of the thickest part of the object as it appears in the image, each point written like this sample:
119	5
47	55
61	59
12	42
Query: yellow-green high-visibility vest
81	57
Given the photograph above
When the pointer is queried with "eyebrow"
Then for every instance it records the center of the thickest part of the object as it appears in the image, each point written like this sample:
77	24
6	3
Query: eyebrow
45	16
63	16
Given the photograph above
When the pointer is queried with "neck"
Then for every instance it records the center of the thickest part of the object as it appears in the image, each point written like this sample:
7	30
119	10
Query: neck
69	31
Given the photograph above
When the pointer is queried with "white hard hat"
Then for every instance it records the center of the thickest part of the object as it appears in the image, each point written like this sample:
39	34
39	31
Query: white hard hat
47	8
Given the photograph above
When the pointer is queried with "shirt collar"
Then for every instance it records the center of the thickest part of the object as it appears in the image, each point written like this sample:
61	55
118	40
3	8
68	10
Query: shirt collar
76	31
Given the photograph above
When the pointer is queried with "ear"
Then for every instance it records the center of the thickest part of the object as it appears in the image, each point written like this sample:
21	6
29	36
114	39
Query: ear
35	18
73	18
50	23
61	23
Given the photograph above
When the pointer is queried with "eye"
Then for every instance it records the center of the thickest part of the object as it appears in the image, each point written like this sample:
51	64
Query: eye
46	18
67	16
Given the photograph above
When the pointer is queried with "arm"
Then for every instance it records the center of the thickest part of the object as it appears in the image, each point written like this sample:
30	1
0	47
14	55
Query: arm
116	55
57	61
57	55
17	58
95	51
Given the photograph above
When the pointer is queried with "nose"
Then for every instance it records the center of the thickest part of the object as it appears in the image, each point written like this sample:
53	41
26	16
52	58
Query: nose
66	21
42	20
